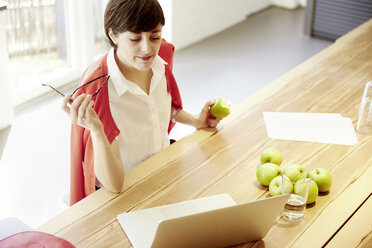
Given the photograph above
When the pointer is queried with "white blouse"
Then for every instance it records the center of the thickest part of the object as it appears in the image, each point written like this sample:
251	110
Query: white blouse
142	118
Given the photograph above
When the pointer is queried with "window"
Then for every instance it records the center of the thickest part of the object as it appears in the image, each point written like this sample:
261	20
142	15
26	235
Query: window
51	41
34	45
100	42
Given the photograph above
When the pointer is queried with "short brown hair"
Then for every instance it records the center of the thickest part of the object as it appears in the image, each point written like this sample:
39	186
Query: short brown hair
132	15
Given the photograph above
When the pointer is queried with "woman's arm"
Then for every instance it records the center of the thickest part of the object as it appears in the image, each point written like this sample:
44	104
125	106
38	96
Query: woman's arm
108	165
203	120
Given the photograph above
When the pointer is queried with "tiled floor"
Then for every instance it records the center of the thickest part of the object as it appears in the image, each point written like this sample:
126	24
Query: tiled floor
34	169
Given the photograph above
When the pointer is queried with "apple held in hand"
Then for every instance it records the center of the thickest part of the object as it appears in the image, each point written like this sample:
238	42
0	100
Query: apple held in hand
221	108
300	188
271	155
275	186
322	178
295	172
267	172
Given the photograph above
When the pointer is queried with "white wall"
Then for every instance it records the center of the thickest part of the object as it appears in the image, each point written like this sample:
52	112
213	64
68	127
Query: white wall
190	21
289	4
195	20
6	108
166	5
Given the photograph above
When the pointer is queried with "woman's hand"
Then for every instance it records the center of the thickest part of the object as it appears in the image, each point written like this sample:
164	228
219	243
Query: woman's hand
206	119
81	112
203	120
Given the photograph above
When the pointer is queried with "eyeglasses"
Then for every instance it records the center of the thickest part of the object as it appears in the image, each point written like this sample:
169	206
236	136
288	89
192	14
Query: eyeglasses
91	81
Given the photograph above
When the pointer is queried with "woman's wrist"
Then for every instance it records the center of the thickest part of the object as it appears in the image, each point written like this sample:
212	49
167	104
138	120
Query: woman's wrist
193	121
187	118
97	130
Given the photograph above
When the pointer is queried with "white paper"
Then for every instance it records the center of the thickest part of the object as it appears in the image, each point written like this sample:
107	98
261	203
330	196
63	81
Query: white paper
312	127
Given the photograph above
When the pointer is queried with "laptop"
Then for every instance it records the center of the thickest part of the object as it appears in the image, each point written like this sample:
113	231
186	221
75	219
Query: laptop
213	221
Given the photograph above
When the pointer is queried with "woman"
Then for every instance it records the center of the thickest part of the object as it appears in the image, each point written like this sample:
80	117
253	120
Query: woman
131	101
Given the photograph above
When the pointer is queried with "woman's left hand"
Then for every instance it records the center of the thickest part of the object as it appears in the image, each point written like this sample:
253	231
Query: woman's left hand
206	119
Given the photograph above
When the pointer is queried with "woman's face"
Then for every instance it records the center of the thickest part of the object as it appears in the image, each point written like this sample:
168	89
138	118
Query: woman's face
137	50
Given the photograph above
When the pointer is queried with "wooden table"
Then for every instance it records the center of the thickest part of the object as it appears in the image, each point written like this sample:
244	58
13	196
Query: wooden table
224	161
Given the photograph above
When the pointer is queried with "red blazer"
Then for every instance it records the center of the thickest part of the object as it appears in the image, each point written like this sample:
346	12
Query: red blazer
82	180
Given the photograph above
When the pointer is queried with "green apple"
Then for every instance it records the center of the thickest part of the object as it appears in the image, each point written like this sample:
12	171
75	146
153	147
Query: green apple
322	178
221	108
300	188
267	172
295	172
271	155
275	186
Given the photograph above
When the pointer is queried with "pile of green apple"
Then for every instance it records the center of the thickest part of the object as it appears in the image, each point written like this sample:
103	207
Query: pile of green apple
269	173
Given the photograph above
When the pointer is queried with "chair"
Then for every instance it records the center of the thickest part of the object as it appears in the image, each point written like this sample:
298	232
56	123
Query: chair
66	199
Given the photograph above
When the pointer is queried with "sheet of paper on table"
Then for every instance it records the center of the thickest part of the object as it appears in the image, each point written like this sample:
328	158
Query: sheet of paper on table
312	127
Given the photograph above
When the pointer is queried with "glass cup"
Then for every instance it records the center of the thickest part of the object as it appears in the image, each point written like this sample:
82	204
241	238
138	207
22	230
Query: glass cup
364	125
294	209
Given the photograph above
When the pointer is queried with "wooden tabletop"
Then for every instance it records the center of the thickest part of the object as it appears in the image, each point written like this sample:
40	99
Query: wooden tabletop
225	160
